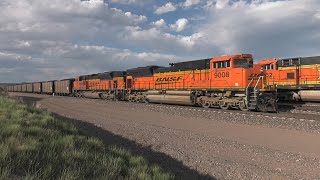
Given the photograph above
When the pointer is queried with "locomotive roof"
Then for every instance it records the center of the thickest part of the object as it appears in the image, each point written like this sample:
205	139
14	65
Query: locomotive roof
146	71
71	79
302	60
110	75
188	65
144	67
103	76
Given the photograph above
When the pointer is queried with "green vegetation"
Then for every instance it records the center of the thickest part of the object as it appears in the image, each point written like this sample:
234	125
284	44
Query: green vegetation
35	145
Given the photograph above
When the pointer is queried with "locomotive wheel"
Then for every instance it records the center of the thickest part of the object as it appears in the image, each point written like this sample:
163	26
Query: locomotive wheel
143	100
206	105
214	106
243	107
225	107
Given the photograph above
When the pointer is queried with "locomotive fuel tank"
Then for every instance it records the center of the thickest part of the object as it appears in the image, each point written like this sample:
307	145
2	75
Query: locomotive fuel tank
179	93
310	95
154	92
170	99
93	95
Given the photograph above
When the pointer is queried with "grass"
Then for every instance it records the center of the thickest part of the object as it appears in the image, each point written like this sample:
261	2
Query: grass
35	145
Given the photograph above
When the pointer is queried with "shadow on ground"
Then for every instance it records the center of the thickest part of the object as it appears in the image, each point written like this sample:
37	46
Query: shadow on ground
29	101
166	162
287	107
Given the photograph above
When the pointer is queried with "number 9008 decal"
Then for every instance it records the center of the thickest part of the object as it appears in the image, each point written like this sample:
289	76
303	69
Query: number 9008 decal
221	74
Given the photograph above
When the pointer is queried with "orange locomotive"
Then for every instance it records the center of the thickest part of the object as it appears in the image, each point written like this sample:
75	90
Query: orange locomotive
107	85
294	78
224	82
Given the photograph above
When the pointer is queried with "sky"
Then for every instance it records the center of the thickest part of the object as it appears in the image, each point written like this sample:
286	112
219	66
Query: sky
57	39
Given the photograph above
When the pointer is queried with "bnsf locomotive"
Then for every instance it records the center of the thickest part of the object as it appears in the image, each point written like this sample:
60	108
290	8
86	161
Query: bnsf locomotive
295	78
225	82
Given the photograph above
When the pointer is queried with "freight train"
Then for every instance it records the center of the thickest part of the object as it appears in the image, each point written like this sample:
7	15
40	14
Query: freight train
227	82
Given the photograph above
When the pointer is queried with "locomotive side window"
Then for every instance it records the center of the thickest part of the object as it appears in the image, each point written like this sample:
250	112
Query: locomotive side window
295	61
269	67
291	62
285	62
221	64
228	63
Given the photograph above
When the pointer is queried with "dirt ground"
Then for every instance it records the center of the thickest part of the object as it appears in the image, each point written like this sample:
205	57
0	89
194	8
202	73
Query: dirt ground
197	143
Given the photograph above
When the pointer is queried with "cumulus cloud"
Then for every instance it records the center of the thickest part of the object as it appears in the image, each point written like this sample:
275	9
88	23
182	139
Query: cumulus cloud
41	41
165	42
126	1
62	18
221	3
160	23
70	60
169	7
264	28
180	25
190	3
61	39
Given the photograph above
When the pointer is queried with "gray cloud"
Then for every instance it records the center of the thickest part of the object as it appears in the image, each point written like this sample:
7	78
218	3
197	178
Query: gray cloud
264	28
42	40
70	60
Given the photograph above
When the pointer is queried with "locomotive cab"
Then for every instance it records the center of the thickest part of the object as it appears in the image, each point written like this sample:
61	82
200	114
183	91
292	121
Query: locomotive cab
239	84
229	72
235	61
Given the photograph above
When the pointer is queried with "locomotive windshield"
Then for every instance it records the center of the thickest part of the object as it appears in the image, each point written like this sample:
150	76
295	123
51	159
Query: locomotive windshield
238	63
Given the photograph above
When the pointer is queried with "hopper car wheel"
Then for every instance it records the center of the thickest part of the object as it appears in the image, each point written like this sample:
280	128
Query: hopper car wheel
225	106
206	105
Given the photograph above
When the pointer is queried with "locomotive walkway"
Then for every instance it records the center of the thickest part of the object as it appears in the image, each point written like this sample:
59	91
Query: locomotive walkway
215	143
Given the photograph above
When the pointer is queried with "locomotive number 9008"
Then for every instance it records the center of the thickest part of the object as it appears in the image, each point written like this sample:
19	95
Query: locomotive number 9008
221	74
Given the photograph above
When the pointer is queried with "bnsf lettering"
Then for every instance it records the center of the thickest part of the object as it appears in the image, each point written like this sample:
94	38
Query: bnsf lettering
169	79
221	74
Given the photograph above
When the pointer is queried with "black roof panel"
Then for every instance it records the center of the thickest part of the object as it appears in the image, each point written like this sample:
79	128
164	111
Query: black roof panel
142	71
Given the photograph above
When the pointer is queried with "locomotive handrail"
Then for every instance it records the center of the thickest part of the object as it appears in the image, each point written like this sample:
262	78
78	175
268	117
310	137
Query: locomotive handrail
257	82
249	83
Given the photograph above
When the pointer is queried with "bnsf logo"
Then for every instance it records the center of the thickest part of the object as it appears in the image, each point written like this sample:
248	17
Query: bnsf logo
169	79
